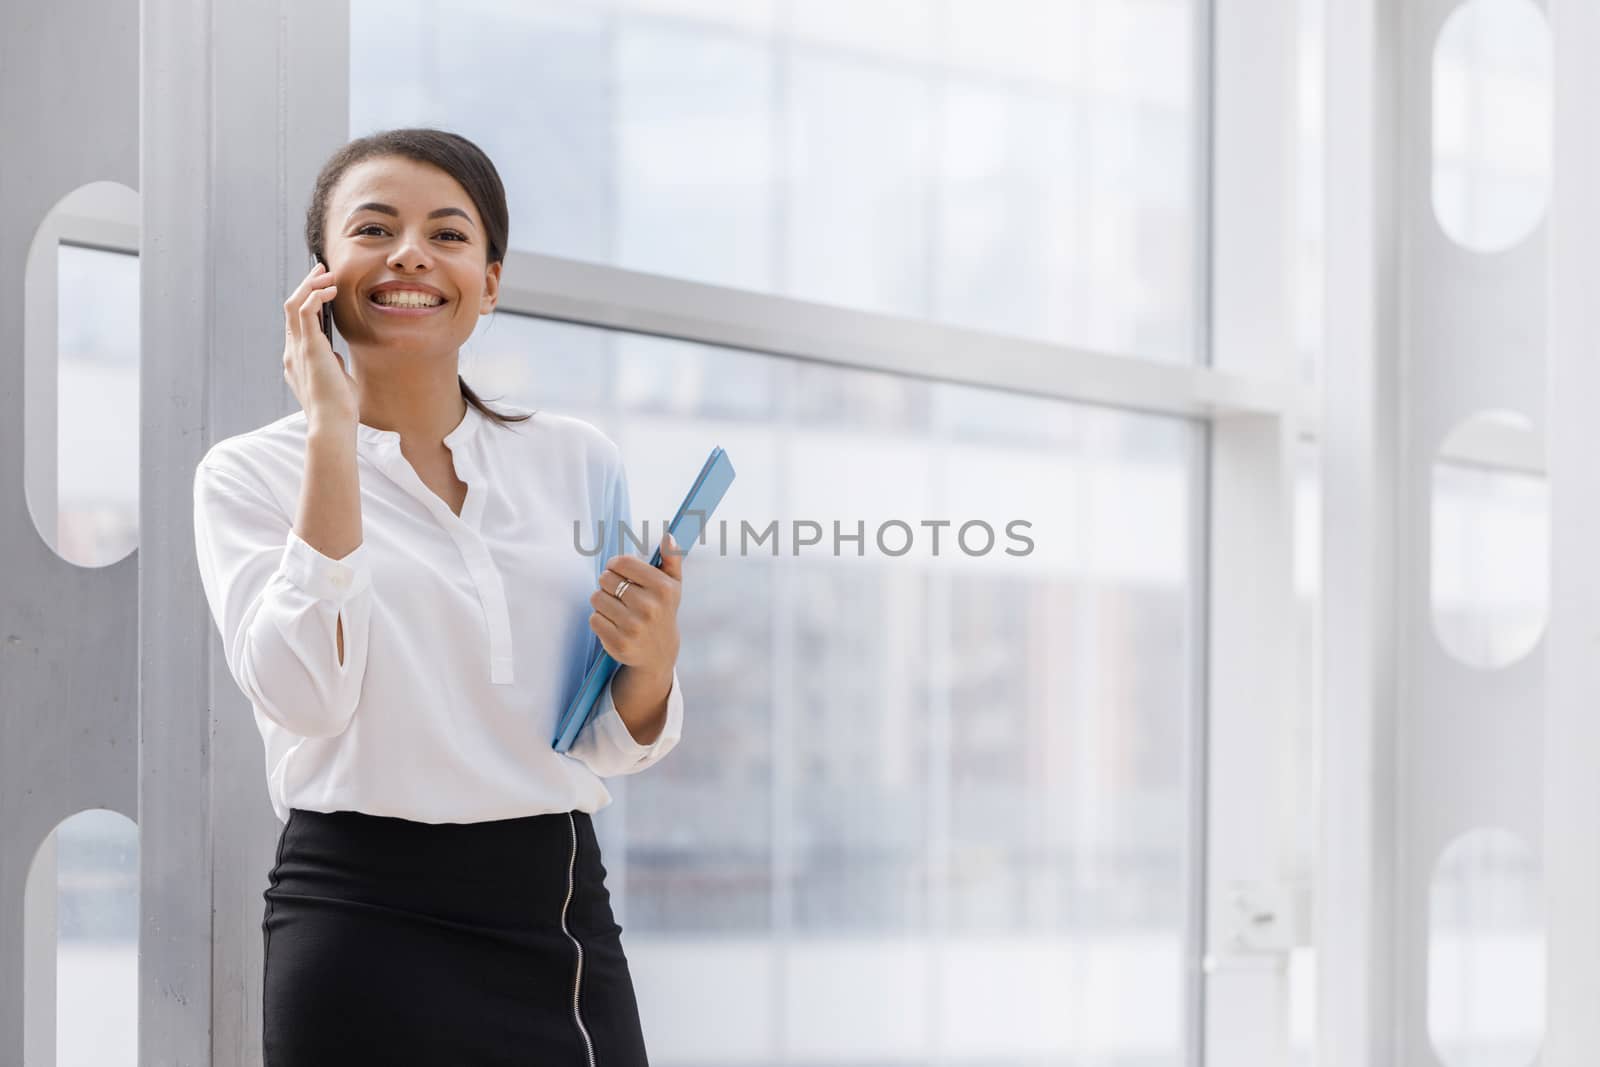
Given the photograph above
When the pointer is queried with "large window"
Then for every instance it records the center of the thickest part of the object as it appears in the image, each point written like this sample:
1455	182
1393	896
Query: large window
927	805
1025	168
930	806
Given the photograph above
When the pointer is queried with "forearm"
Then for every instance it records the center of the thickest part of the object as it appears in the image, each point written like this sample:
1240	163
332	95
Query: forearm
641	700
329	518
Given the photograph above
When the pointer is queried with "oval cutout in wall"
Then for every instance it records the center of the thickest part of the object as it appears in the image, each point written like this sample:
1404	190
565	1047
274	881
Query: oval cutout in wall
1490	558
81	948
1492	121
1486	952
81	375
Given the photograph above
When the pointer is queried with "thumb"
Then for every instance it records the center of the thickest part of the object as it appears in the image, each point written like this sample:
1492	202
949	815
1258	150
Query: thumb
671	558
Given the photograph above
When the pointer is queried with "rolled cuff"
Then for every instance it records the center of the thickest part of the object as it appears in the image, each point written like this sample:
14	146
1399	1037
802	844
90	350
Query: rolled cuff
322	576
614	750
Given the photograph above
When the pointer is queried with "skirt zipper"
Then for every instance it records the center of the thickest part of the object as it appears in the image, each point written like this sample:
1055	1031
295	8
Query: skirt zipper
577	979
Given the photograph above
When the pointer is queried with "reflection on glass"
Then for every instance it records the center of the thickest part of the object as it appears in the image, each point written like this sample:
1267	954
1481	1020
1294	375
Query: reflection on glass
97	940
1491	541
927	805
1310	195
1486	952
1492	117
97	405
1025	169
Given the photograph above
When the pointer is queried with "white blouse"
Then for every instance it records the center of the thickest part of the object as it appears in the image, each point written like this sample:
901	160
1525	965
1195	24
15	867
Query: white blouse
464	637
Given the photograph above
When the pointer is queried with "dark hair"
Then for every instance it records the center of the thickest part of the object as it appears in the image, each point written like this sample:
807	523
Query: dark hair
451	153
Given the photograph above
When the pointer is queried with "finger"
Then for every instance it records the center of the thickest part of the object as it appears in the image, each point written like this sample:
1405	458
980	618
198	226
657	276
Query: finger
299	291
291	321
636	570
610	636
671	557
309	288
617	611
632	612
646	601
608	582
315	301
318	274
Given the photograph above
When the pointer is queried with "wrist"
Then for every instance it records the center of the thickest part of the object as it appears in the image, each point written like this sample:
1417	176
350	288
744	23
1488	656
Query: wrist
655	678
328	427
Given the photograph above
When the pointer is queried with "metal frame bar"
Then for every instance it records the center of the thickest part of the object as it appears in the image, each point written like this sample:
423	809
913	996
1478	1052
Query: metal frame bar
1251	656
1198	1008
607	297
619	299
615	298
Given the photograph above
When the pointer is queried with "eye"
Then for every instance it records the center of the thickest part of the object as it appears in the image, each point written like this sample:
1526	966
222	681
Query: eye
374	226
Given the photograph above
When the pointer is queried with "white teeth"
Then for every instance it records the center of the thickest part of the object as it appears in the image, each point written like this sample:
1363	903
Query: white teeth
402	298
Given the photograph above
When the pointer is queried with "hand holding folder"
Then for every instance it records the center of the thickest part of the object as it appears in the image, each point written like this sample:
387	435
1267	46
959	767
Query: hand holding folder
702	499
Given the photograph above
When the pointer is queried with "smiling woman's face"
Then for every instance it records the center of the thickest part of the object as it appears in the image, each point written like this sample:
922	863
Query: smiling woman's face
378	233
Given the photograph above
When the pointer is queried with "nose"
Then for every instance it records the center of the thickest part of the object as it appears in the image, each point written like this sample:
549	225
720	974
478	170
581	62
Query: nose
410	252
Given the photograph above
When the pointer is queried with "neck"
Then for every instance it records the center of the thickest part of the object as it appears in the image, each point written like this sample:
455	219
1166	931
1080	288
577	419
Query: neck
422	405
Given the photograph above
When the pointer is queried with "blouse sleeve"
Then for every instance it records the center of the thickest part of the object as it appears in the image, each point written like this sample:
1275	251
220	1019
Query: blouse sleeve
604	744
277	603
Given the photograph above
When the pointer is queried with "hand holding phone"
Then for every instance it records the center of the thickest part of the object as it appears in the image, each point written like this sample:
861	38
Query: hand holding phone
325	312
315	372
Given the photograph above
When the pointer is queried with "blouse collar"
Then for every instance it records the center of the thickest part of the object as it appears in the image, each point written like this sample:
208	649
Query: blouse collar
371	435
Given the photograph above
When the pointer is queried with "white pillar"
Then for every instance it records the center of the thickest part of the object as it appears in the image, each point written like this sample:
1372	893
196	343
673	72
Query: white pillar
1419	747
1249	925
1353	914
1572	651
239	106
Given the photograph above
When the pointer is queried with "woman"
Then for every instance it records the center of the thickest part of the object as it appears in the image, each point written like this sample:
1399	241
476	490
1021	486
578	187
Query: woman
398	578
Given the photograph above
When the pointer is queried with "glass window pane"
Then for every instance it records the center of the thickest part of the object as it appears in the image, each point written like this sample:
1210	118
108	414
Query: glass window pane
1489	566
97	405
950	771
1492	123
97	940
1024	167
1310	194
1486	952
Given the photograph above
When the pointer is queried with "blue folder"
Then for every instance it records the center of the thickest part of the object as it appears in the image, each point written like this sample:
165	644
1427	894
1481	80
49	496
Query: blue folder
686	528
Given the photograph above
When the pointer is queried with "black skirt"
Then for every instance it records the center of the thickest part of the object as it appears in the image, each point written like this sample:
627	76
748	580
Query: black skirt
395	942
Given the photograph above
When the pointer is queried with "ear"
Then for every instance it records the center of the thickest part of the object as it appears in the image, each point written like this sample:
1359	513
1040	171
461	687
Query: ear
491	289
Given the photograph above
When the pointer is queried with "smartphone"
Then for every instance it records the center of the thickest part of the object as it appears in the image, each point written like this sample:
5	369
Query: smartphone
325	312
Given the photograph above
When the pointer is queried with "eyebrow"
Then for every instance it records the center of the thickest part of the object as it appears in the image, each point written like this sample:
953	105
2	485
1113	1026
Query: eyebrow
387	210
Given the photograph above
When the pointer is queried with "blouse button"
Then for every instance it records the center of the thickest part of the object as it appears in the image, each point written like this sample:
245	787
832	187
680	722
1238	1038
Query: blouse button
339	579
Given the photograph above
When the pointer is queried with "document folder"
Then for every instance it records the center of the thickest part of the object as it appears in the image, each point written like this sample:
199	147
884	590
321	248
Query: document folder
686	527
